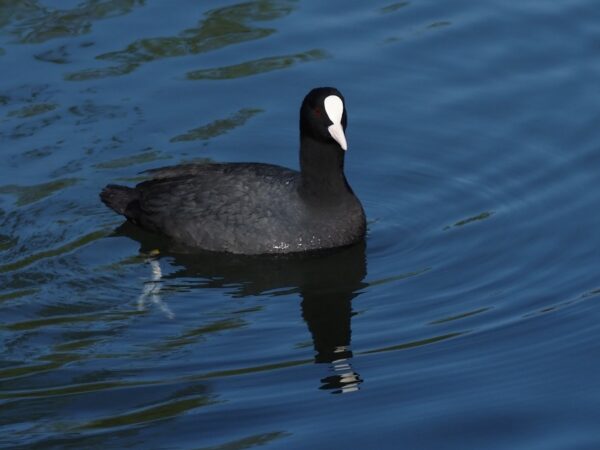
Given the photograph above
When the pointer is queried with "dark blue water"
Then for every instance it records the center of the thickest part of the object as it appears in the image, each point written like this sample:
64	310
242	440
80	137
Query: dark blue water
470	319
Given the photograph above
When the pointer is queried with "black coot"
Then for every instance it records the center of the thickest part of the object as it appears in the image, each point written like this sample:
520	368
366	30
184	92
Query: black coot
254	208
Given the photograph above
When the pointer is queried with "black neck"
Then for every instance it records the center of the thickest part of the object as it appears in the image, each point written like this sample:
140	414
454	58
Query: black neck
322	170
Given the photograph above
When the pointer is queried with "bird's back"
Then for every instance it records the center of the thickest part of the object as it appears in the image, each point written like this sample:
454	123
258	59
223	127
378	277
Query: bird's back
237	207
240	207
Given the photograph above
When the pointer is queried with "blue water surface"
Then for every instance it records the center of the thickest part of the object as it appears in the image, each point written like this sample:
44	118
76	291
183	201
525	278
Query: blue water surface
468	320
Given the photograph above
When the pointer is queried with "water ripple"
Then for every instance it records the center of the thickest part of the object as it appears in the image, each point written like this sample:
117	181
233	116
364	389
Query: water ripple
220	28
218	127
257	66
474	154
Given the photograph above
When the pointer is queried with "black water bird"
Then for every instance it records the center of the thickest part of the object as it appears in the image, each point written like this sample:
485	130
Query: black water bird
255	208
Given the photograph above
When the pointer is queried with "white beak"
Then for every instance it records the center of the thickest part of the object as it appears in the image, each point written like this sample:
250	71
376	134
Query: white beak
335	110
337	132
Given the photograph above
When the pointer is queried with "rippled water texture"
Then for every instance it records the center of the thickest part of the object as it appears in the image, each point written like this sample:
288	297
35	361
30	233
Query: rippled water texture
468	320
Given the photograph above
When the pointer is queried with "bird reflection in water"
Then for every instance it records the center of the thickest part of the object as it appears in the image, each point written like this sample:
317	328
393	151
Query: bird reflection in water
152	289
345	379
327	283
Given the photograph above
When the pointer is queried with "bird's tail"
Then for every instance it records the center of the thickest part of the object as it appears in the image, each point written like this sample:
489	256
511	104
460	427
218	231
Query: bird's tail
118	197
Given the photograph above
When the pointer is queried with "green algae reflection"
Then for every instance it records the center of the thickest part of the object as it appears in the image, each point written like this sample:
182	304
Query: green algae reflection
180	403
30	194
51	253
257	440
220	28
128	161
218	127
33	110
37	23
482	216
256	66
394	7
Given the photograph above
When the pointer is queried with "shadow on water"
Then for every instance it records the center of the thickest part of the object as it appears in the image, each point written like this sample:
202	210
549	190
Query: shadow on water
326	282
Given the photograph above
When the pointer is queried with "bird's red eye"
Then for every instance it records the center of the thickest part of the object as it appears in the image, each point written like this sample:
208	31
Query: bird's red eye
317	111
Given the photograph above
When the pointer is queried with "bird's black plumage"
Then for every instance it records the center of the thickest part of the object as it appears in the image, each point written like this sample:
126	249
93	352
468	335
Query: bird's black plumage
254	208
